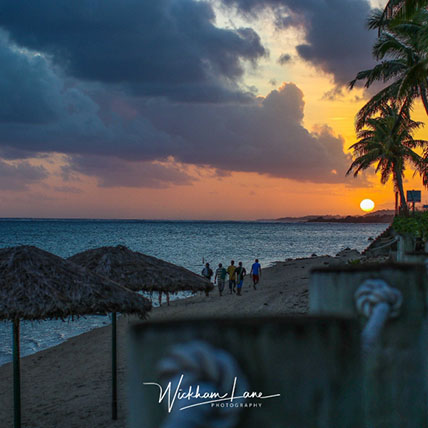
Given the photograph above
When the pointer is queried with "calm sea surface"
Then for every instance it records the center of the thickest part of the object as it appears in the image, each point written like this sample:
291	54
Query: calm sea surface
180	242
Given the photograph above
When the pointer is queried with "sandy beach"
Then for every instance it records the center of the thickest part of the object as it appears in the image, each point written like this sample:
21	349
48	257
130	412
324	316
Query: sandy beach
68	385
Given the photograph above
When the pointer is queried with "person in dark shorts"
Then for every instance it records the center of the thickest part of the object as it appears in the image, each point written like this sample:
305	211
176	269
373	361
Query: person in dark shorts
240	275
220	278
231	271
256	273
207	272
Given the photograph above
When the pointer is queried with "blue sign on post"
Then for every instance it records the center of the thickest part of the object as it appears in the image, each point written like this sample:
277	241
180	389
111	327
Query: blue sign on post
413	196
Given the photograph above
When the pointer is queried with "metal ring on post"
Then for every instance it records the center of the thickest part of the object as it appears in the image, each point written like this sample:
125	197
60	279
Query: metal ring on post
377	301
213	370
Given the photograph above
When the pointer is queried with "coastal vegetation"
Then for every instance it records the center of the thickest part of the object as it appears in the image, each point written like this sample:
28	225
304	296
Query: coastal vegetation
415	225
384	126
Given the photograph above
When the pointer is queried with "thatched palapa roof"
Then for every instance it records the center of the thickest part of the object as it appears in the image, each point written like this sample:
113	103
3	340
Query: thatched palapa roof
35	284
138	271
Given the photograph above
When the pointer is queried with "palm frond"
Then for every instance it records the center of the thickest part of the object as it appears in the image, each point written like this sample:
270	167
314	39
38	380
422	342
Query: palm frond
415	76
402	8
361	163
386	172
390	44
384	71
376	103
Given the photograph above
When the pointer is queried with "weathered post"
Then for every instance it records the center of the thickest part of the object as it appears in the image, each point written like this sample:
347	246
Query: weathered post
395	385
16	376
310	367
406	244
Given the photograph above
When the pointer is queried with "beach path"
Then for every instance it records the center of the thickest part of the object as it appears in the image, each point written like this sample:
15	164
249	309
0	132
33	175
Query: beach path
68	386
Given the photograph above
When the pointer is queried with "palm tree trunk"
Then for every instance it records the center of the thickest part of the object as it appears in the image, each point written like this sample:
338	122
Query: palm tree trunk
404	209
424	98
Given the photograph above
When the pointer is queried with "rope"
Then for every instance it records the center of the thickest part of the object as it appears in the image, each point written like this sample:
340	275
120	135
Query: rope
214	370
378	302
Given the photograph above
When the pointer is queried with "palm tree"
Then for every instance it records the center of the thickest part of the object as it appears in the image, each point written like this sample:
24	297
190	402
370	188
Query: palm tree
402	51
400	8
387	140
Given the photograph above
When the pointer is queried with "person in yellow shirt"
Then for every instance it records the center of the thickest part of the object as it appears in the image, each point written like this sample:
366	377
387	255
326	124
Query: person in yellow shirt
231	271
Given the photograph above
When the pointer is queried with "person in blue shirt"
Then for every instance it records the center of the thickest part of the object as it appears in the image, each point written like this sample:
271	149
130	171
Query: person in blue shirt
256	273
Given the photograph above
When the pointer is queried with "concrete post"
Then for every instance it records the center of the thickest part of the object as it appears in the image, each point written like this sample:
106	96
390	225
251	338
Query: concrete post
395	386
406	244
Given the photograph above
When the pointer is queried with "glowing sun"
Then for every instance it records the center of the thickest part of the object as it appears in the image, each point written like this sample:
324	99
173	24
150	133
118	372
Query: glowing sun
367	205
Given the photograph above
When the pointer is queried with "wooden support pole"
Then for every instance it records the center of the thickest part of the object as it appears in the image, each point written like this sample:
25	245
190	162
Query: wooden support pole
16	376
113	367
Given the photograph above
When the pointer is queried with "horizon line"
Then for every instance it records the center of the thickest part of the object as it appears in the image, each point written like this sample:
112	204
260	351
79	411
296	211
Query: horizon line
183	220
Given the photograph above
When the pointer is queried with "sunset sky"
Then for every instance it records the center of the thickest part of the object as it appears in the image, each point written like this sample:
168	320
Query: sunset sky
183	109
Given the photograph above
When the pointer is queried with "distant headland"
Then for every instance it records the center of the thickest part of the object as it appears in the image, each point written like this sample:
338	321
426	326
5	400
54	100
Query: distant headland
380	216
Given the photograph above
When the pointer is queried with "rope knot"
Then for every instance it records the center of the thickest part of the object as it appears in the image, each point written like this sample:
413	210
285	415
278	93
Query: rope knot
375	291
213	370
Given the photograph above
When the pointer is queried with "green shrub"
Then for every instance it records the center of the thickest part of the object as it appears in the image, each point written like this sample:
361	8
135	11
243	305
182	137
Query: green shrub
416	225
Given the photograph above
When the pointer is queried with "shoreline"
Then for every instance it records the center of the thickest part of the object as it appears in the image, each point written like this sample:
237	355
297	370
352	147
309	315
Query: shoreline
94	322
106	322
68	385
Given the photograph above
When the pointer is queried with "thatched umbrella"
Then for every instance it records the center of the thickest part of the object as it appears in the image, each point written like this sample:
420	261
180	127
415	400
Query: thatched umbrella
37	285
138	271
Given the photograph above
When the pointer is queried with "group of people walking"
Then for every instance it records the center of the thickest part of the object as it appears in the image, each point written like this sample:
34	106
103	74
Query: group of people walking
236	276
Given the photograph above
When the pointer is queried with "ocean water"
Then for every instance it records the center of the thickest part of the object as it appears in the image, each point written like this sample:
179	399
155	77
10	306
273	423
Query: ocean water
185	243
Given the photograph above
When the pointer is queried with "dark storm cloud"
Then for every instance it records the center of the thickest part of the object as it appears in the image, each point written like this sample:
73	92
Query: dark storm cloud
111	137
39	111
28	88
18	176
115	172
158	48
169	48
42	113
266	136
336	36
